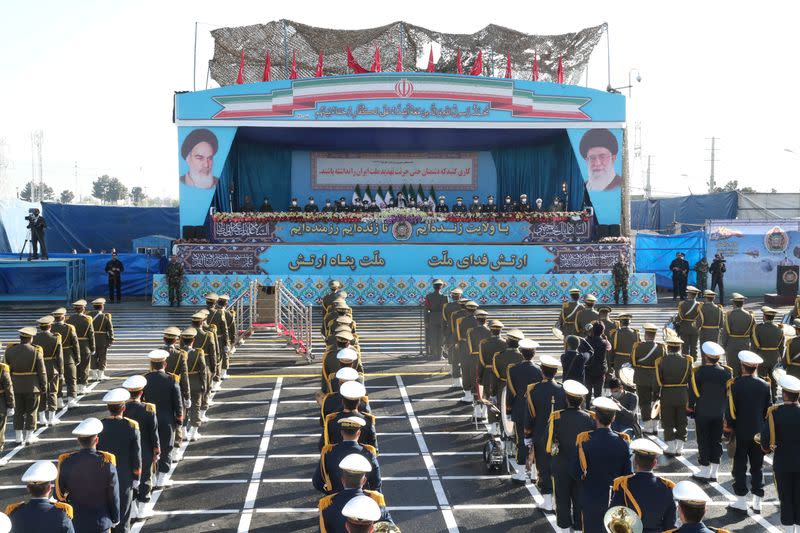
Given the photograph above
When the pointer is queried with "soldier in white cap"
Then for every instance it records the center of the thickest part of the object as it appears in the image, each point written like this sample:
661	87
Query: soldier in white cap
71	348
643	359
38	513
84	328
518	378
103	337
163	391
5	524
749	399
53	354
327	477
688	313
29	378
145	415
768	342
87	480
362	512
691	509
781	435
333	401
344	357
673	372
587	315
353	395
354	469
739	325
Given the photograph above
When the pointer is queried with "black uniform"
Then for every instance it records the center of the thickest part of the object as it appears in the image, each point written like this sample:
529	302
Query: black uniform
37	225
333	402
679	268
114	269
163	391
543	399
328	478
332	520
707	399
650	496
331	433
518	378
145	415
748	401
488	349
87	480
311	208
627	421
489	208
459	208
41	516
121	438
574	364
441	207
781	434
717	270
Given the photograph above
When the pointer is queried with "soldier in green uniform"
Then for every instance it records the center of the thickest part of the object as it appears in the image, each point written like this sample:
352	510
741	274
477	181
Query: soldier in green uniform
621	275
503	360
475	338
643	359
50	343
701	270
85	331
216	317
465	362
230	320
328	299
176	365
29	378
487	349
622	340
6	403
609	324
569	313
688	311
791	357
587	315
434	324
768	343
338	308
71	350
103	338
175	274
196	368
739	326
453	354
449	308
673	372
205	340
710	318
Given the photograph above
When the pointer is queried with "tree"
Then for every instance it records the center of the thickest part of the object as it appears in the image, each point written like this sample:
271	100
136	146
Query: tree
137	195
116	191
100	188
66	197
733	185
31	192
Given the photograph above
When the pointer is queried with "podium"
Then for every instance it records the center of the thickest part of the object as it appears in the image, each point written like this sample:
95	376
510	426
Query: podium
786	286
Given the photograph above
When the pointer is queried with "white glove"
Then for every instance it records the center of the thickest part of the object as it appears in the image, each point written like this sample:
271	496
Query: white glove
187	403
528	442
10	412
135	484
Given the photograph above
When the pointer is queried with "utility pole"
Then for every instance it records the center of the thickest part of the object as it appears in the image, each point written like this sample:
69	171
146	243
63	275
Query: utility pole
36	161
647	189
712	184
3	166
75	175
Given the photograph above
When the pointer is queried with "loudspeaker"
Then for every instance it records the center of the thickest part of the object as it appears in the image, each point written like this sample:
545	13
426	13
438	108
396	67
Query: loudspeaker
787	282
194	232
614	230
602	231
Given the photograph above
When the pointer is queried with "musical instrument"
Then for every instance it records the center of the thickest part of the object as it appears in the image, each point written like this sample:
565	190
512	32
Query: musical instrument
621	519
626	375
385	527
557	333
656	409
788	331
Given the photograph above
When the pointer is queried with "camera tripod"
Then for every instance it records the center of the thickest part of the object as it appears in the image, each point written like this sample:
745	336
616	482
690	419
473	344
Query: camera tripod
28	242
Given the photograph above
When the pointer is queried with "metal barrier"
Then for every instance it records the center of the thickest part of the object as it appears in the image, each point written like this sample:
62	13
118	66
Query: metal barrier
244	307
293	320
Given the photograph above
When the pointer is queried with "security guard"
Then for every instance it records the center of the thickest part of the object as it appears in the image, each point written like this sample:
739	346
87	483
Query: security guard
643	359
650	496
519	377
327	476
196	369
145	415
569	313
781	435
739	326
768	343
53	353
354	468
691	509
353	394
87	480
103	337
603	456
434	325
475	338
622	340
688	312
84	328
216	317
503	360
466	365
673	372
205	340
459	206
587	315
162	390
543	399
707	398
6	403
710	318
121	438
333	286
488	348
29	378
791	357
71	350
563	431
332	402
38	513
749	399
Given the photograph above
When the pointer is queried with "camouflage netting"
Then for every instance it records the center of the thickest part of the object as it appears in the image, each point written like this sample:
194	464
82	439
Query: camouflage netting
282	38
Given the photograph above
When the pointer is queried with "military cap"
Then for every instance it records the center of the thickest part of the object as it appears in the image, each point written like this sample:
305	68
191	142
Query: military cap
508	197
459	198
352	390
490	197
768	311
463	301
515	334
712	349
441	197
5	523
342	294
88	428
340	304
708	293
605	404
115	396
98	301
625	316
171	331
352	422
523	195
691	289
343	327
45	320
495	324
27	331
626	375
789	383
334	284
79	303
645	447
344	319
346	335
438	282
748	358
689	493
574	290
604	309
590	298
650	327
224	297
355	463
528	344
598	137
58	312
549	361
189	333
135	383
347	374
346	354
205	312
40	472
674	341
196	137
212	297
362	510
471	304
475	197
456	290
158	355
574	388
481	313
199	316
736	297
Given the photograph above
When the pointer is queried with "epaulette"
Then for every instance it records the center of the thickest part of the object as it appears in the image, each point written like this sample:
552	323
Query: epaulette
4	367
109	315
39	349
150	407
132	423
670	484
11	345
176	377
371	449
64	456
212	327
624	436
592	414
369	416
772	408
673	530
184	355
583	437
365	399
58	337
67	508
326	502
330	416
200	352
377	496
107	457
11	507
621	480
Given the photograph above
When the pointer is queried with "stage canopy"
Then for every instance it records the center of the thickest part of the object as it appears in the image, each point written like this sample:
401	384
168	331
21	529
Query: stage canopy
691	212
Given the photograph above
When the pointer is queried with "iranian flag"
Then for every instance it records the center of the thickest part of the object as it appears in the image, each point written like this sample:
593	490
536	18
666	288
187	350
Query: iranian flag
389	196
420	194
368	195
379	198
356	195
432	196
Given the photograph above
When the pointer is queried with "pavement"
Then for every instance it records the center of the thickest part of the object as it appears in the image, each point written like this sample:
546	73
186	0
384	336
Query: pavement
252	468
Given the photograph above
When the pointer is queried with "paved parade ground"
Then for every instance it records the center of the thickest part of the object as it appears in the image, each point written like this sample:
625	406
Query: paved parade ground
252	468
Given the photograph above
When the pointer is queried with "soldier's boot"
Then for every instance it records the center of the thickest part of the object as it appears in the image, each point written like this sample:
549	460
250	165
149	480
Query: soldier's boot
670	451
194	434
456	383
520	475
162	481
203	417
134	512
740	504
467	398
476	411
144	511
702	474
788	529
59	403
225	374
484	412
51	418
757	504
72	401
713	471
81	388
679	447
42	418
494	428
547	503
102	375
31	438
19	437
211	399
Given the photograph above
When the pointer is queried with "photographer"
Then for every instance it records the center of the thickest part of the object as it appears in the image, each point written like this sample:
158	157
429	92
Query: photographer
717	270
37	225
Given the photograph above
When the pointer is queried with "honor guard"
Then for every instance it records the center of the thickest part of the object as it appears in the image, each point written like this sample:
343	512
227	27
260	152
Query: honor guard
569	313
341	323
327	477
622	391
739	326
791	358
781	437
327	300
121	438
519	377
84	327
216	317
487	350
177	361
587	315
710	318
650	496
441	205
643	359
603	456
489	207
6	403
71	350
563	431
434	303
87	480
466	365
196	369
362	513
39	513
475	208
29	378
453	348
103	337
622	340
204	341
475	338
339	357
673	372
543	399
749	399
707	399
353	396
691	509
688	313
459	206
768	343
162	390
503	360
145	415
230	319
332	401
53	353
608	324
354	469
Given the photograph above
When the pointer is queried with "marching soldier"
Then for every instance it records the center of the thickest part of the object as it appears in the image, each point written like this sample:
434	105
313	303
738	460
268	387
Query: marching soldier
337	308
710	318
791	358
6	403
450	307
38	513
196	370
332	402
688	312
87	480
487	350
54	364
348	359
603	456
749	399
362	513
780	435
768	343
587	315
519	377
354	468
543	399
465	362
204	340
569	313
84	328
341	356
673	372
230	319
650	496
103	338
434	303
120	438
143	414
162	390
327	300
643	359
503	360
453	352
29	379
354	396
71	350
563	431
707	398
691	509
739	326
621	274
608	324
475	338
176	361
327	476
216	317
622	341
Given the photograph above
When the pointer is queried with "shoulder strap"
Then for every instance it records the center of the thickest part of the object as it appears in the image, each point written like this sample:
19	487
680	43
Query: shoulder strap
132	423
67	508
108	457
150	407
11	507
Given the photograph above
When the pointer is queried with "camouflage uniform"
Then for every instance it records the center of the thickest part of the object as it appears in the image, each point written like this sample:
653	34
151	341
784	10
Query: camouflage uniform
620	273
174	279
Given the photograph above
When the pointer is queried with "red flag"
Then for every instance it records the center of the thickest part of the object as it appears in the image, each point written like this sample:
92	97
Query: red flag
560	69
535	67
240	77
431	68
399	66
319	73
267	76
376	61
293	72
353	65
477	66
508	64
459	67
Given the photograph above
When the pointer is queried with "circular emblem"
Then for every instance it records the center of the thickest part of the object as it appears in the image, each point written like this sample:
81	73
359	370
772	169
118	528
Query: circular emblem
404	88
401	231
790	277
776	240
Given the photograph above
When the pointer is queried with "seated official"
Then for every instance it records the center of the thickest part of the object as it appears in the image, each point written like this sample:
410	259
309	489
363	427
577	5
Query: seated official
294	207
557	205
508	205
266	207
538	206
476	205
341	206
370	207
523	206
354	468
327	476
311	206
489	207
459	206
329	207
247	205
441	206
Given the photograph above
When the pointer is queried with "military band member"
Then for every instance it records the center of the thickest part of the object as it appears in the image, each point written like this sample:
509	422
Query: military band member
327	476
768	343
781	435
519	377
217	318
603	456
488	349
643	359
475	336
88	481
707	399
489	207
691	509
434	324
39	513
196	370
749	399
71	350
121	438
710	319
791	357
29	379
650	496
688	312
441	205
739	326
50	344
354	468
673	372
145	415
503	360
353	396
608	324
587	315
162	390
341	356
622	340
569	313
85	331
622	392
205	340
6	403
103	337
332	402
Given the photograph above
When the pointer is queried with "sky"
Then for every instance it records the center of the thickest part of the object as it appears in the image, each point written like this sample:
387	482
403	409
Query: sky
98	78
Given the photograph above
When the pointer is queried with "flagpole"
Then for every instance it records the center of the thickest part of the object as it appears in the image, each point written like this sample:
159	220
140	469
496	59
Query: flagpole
608	50
194	62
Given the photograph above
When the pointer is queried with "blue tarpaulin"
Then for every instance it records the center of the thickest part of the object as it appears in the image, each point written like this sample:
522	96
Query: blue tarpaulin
654	253
81	227
659	215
